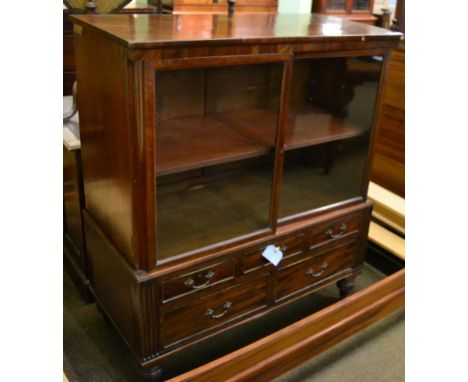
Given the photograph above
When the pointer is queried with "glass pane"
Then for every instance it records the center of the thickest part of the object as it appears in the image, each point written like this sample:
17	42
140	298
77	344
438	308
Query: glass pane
215	144
334	5
361	5
328	131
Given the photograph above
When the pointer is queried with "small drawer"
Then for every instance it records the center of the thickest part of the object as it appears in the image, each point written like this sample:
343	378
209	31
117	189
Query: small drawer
207	313
306	274
291	246
199	279
334	230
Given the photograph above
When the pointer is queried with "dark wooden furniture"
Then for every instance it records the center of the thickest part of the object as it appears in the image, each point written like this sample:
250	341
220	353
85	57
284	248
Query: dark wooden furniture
203	146
399	19
388	165
215	6
354	10
69	71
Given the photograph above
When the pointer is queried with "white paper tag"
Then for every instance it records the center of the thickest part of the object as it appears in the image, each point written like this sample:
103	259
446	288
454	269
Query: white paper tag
273	254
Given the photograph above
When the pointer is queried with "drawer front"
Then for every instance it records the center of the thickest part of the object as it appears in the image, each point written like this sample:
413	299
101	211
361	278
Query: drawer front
210	312
334	230
306	274
197	280
291	246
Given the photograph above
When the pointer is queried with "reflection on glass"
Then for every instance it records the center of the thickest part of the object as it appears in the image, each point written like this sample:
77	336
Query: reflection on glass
336	5
361	5
207	206
328	131
215	140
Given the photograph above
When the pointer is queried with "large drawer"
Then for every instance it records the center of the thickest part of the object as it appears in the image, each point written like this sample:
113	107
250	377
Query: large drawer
198	279
306	274
207	313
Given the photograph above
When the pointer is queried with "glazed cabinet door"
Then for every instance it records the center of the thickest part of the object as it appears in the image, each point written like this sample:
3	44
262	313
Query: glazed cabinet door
215	149
328	132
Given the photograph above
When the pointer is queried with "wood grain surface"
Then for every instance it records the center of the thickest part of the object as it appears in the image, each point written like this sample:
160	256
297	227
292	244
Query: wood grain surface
152	31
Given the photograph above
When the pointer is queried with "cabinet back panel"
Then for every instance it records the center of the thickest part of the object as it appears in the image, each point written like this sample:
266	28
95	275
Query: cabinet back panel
204	91
180	93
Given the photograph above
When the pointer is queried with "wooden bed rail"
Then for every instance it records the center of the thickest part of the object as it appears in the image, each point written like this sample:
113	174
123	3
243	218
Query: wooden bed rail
274	355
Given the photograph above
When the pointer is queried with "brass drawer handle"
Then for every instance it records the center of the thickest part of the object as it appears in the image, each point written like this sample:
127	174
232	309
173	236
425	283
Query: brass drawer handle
323	268
211	314
190	283
341	231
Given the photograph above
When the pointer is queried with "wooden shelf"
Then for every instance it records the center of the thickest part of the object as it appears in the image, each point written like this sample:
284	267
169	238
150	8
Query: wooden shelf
192	142
310	126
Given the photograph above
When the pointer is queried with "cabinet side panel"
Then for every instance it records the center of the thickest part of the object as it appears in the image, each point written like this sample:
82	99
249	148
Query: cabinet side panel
114	284
105	136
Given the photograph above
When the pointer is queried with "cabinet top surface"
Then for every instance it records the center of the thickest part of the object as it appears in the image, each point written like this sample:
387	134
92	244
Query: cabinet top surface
152	31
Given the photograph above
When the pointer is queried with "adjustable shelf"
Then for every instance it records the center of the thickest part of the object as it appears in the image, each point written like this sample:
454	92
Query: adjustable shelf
216	139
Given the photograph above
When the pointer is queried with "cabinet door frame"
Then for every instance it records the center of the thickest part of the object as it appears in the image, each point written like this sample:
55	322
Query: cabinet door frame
142	82
385	54
285	59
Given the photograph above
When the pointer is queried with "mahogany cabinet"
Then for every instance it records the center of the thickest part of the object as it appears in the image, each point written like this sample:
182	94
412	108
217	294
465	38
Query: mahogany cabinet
204	146
355	10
